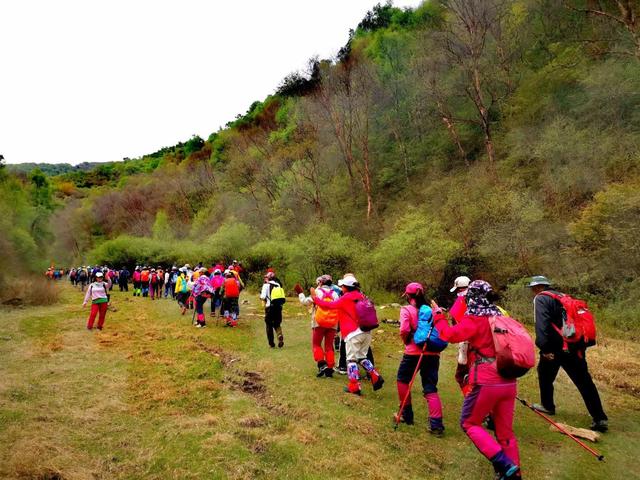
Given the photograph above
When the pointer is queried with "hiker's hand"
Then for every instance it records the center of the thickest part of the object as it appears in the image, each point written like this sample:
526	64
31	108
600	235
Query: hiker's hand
298	289
434	305
84	304
313	291
548	356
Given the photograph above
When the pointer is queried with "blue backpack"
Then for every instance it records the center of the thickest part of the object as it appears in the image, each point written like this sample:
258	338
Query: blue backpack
427	332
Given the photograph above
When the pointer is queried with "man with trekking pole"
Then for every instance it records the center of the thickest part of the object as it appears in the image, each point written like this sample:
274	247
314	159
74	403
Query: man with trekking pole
564	330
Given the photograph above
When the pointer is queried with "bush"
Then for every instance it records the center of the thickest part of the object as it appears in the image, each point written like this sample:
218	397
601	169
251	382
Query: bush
418	250
29	290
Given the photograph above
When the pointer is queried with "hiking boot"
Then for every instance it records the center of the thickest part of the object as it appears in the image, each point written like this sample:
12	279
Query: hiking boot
600	426
328	372
378	383
356	392
542	409
280	341
407	415
437	432
342	371
321	371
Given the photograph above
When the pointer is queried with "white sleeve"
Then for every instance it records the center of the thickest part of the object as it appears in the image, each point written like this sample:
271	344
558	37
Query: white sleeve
264	293
304	299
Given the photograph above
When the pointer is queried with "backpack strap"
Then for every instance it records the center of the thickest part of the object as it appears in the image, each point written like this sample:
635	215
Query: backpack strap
558	297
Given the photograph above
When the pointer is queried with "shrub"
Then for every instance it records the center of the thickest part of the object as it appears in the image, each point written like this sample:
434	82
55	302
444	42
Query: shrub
417	250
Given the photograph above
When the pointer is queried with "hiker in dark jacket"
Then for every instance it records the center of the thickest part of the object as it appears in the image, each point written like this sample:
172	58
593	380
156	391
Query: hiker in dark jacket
549	312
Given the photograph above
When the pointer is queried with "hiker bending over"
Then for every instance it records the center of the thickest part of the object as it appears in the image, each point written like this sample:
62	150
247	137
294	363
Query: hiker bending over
202	291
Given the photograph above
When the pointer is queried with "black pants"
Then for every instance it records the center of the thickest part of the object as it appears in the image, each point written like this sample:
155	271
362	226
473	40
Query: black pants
342	362
124	286
576	367
273	320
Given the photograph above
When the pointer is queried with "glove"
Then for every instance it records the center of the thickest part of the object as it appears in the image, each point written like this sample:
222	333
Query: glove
298	289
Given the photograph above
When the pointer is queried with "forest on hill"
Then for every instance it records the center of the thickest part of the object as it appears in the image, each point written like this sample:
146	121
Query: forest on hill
498	139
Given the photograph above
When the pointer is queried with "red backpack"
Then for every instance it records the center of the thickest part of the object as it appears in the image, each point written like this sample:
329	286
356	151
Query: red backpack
515	351
578	325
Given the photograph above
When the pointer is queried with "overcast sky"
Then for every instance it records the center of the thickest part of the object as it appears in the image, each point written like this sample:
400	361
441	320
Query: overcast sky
98	81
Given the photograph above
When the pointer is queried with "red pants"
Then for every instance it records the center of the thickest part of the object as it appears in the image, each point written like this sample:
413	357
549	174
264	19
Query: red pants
95	309
326	354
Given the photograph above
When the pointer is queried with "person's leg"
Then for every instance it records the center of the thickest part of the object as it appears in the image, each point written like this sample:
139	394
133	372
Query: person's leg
429	375
102	310
477	405
547	373
329	353
92	315
317	334
502	414
342	362
277	323
353	372
405	372
578	371
370	355
200	310
269	327
364	340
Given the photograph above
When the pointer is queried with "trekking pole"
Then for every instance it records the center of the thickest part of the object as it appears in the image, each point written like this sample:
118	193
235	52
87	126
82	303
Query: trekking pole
572	437
397	416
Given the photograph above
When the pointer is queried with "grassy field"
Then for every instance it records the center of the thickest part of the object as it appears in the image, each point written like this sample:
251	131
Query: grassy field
153	397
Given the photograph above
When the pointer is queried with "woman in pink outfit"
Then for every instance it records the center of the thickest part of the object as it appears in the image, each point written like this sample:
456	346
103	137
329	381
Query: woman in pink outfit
97	292
490	392
429	366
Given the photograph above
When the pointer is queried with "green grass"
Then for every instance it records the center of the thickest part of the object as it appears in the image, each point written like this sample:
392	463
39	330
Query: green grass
152	397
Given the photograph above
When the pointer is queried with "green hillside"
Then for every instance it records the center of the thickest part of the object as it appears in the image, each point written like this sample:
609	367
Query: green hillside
496	139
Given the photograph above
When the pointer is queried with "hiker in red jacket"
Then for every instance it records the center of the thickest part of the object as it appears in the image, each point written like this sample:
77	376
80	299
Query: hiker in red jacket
490	393
357	342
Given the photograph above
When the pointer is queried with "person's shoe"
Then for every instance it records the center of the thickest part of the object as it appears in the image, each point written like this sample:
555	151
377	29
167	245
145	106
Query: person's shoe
328	372
377	385
357	392
199	326
542	409
280	341
321	371
99	328
437	432
600	426
512	472
342	371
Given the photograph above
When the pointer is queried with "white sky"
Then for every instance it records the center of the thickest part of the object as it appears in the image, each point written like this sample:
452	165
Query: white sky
83	80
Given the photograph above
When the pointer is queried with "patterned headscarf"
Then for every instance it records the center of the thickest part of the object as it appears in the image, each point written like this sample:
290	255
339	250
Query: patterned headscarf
477	301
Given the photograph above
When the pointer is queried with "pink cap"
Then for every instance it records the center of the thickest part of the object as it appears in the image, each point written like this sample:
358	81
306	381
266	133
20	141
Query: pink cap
413	288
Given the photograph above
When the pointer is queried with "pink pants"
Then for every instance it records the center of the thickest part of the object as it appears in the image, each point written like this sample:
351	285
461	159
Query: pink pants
499	401
327	354
96	308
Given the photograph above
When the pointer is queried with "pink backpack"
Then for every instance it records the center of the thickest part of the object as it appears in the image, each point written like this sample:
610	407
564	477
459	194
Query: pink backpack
515	351
366	313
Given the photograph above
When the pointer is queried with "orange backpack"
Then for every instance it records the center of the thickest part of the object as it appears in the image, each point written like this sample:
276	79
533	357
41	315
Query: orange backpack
326	317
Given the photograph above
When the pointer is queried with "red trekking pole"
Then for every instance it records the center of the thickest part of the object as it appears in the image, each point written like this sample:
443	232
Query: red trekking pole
398	416
572	437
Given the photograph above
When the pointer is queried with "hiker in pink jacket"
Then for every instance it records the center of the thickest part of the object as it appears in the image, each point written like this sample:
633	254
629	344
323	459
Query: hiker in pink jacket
98	293
490	392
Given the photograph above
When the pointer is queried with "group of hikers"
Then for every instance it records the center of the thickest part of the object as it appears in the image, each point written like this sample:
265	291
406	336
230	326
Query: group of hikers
342	318
54	273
